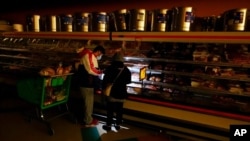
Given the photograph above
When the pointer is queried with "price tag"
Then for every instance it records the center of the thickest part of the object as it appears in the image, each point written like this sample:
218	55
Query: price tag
142	74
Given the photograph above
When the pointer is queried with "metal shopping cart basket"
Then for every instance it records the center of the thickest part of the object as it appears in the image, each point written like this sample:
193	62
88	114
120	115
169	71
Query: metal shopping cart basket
46	93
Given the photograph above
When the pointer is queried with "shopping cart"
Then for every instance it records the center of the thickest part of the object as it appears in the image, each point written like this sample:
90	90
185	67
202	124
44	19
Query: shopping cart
46	93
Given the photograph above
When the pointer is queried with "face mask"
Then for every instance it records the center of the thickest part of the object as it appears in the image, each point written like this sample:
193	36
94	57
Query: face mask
99	57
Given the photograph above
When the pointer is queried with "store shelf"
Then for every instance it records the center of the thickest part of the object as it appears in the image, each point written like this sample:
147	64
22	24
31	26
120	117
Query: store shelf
185	37
59	35
224	64
207	76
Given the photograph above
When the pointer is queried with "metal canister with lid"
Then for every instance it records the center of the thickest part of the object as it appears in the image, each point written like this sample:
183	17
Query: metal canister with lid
33	23
139	19
237	20
182	18
53	23
160	20
100	21
121	19
67	23
83	22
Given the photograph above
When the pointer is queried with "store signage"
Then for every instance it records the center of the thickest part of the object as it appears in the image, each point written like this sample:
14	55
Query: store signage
142	73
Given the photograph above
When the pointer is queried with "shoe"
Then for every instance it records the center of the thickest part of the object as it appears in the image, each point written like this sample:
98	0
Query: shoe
117	127
95	121
92	124
106	127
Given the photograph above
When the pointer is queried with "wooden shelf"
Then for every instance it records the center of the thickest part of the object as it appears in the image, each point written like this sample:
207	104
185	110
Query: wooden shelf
184	37
59	35
181	37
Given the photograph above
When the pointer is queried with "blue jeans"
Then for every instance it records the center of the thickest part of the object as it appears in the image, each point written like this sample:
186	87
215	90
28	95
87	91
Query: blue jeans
88	103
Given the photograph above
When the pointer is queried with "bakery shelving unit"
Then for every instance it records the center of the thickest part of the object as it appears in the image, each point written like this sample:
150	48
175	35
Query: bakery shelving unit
194	104
24	58
31	52
206	91
185	102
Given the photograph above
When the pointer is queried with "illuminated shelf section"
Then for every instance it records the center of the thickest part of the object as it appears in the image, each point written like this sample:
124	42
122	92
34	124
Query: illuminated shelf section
59	35
185	37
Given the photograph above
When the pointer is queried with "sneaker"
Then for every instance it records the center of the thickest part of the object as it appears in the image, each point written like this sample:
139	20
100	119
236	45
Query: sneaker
95	121
117	127
106	127
92	124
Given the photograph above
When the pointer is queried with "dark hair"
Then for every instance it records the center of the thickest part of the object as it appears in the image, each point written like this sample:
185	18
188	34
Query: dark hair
99	48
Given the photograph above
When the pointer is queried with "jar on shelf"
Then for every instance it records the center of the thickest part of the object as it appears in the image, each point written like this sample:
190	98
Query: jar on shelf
83	22
67	23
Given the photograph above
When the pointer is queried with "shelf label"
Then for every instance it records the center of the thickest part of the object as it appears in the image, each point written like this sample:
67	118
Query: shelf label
142	73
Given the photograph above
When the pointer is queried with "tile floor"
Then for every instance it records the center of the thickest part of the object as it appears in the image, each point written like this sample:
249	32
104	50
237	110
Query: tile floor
15	126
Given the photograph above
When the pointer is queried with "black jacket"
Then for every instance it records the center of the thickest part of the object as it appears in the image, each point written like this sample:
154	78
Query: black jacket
119	89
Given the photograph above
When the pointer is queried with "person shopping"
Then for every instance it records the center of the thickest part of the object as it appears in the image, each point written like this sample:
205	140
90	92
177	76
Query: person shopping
118	93
88	73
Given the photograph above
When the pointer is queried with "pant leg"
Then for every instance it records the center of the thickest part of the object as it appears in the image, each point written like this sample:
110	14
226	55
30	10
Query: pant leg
88	103
119	112
110	113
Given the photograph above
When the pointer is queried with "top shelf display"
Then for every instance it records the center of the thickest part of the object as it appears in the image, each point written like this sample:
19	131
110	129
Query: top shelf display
184	37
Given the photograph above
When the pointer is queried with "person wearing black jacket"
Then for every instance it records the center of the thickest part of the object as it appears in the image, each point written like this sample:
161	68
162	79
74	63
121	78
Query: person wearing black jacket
118	93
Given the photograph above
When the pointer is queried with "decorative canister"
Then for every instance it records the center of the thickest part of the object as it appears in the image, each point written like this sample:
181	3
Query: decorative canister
121	19
100	21
33	23
182	18
83	22
67	23
138	19
236	20
53	23
160	20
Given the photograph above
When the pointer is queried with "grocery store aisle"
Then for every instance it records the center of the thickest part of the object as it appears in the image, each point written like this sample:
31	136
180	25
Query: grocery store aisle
14	126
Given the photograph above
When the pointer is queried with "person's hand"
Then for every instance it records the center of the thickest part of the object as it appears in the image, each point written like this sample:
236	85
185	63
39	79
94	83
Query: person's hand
100	71
100	76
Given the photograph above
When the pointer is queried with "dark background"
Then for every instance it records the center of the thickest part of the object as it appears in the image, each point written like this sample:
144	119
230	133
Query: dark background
17	10
20	5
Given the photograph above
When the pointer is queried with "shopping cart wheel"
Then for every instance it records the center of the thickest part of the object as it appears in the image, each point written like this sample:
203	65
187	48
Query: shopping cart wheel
51	131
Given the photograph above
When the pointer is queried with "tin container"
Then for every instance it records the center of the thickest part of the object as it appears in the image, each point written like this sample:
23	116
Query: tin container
210	23
53	23
33	23
67	23
182	18
160	20
83	22
100	21
236	20
121	20
138	19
